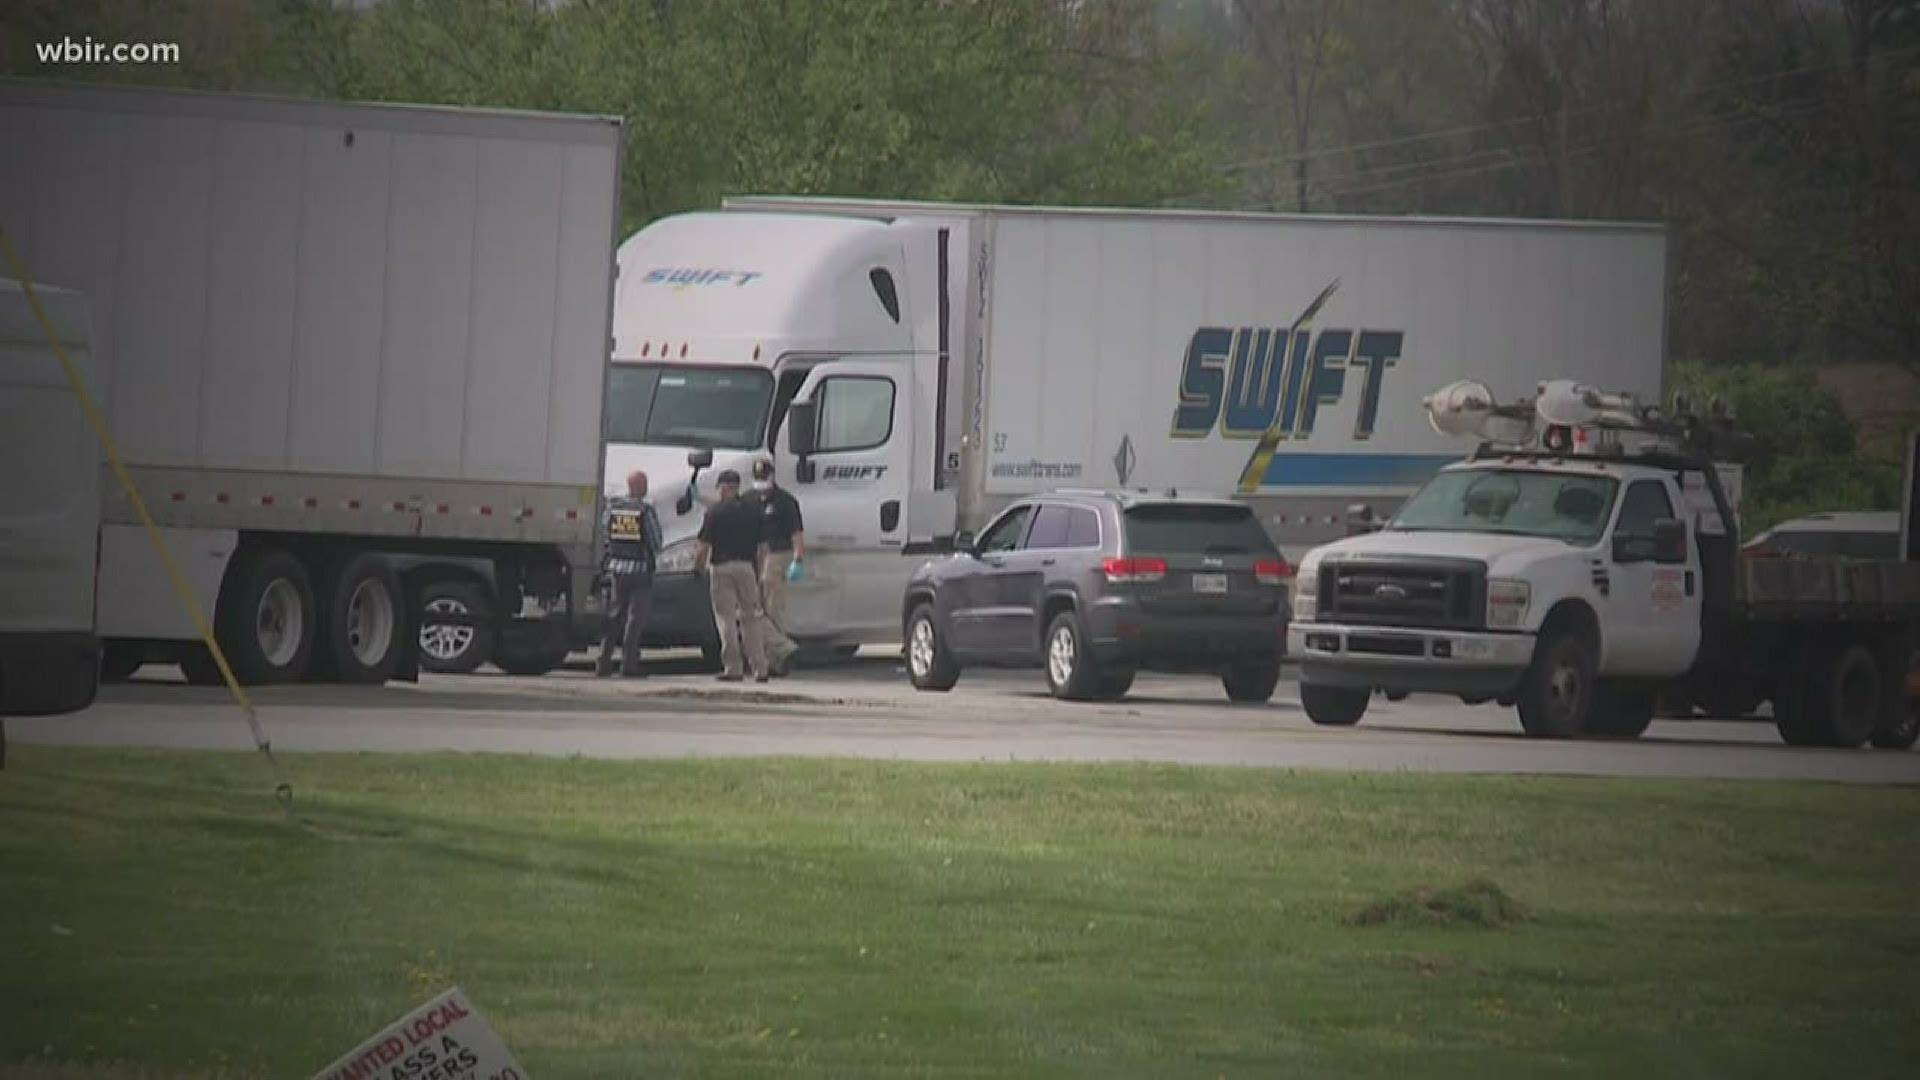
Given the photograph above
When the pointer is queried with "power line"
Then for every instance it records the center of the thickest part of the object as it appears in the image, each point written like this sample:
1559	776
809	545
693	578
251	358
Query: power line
1381	144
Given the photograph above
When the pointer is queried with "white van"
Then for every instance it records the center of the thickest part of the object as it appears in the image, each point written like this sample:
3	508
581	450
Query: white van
49	510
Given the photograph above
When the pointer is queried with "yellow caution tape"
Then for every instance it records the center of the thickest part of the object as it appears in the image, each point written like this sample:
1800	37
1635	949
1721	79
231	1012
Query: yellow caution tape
200	623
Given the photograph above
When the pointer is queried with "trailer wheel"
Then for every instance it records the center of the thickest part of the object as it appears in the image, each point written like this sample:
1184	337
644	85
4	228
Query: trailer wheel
1556	694
1622	712
454	648
265	618
362	620
1334	706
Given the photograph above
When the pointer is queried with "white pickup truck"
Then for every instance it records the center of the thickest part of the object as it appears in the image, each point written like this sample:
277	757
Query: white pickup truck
1570	580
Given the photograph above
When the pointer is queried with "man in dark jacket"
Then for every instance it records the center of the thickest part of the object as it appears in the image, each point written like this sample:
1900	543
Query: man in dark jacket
633	543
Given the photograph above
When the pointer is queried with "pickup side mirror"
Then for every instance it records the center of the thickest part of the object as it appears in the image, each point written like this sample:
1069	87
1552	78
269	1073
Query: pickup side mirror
963	542
1665	543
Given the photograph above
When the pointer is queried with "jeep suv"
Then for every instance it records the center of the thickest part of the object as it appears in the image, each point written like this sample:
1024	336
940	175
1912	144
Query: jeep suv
1092	586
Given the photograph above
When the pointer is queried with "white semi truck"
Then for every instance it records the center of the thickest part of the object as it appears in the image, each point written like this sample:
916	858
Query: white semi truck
1567	569
946	359
354	355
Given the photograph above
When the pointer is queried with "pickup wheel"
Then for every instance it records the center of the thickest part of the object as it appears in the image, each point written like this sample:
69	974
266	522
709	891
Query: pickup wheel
1334	706
1251	682
929	665
1622	712
1071	672
1556	694
1841	697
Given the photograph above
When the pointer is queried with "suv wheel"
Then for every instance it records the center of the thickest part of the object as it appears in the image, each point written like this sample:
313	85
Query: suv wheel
1071	674
929	664
1251	681
1334	706
1114	683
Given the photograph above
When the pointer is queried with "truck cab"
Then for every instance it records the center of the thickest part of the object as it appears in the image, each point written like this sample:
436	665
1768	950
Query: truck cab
829	321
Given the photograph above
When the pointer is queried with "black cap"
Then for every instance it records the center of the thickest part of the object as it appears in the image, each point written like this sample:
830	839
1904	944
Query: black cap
727	476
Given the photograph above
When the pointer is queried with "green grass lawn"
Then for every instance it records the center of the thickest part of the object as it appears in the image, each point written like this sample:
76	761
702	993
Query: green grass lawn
159	917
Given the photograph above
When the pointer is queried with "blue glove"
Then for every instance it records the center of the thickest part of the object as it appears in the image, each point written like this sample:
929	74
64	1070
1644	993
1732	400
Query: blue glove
793	570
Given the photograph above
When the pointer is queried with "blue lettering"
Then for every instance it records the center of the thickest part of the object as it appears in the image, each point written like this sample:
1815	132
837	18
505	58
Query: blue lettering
1253	386
1296	382
1374	353
1327	376
1203	381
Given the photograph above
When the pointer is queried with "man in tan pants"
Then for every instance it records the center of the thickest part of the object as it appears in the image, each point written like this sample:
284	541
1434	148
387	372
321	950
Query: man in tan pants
730	551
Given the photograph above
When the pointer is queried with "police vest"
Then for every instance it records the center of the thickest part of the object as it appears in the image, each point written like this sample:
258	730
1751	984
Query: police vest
627	535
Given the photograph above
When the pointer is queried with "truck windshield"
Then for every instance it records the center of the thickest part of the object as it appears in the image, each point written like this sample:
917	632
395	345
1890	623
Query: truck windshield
668	405
1517	502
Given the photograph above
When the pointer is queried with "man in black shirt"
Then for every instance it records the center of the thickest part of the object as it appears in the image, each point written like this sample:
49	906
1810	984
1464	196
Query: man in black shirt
731	548
780	527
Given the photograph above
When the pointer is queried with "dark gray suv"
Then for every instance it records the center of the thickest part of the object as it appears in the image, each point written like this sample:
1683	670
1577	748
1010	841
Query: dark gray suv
1093	586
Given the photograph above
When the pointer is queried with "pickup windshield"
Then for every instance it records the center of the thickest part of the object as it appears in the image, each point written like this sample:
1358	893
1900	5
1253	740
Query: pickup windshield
1515	502
669	405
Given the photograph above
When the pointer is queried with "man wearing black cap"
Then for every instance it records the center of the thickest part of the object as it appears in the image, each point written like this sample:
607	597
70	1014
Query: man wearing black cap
731	549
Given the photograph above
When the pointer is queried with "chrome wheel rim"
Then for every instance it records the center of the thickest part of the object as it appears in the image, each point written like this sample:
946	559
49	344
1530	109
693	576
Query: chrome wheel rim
276	625
445	641
1564	689
920	647
1060	656
370	622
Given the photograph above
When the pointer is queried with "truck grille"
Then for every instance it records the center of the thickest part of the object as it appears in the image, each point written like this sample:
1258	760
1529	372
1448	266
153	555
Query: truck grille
1447	594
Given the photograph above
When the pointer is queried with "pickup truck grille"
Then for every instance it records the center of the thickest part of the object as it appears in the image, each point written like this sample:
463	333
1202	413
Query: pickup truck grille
1447	594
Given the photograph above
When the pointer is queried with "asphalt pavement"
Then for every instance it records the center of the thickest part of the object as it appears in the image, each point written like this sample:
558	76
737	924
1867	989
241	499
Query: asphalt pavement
866	708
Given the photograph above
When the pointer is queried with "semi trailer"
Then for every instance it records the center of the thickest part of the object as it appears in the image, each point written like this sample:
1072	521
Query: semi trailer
355	359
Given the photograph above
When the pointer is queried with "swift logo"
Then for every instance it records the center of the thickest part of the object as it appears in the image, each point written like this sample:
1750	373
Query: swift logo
1270	383
853	473
680	277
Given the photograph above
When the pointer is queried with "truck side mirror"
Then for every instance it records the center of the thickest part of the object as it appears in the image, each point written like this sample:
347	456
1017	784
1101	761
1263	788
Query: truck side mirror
963	542
802	420
701	458
696	460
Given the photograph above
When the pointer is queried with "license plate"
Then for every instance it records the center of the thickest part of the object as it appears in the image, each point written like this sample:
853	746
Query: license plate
1210	583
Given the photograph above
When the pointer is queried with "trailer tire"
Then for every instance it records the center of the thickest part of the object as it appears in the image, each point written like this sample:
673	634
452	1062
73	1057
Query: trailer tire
1334	706
457	649
361	620
1622	712
265	620
1557	692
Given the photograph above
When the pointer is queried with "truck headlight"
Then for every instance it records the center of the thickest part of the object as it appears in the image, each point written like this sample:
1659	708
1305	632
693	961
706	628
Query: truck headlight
677	558
1507	603
1306	594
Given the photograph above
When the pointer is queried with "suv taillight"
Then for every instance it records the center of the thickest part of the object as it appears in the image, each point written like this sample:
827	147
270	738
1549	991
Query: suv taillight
1121	571
1271	571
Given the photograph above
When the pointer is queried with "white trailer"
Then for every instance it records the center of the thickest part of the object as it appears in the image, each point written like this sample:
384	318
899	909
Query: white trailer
354	355
951	358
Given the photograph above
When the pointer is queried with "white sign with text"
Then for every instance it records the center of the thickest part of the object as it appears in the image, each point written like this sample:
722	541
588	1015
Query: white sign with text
445	1039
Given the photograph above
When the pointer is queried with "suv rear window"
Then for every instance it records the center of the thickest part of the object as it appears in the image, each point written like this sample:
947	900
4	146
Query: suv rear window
1174	529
